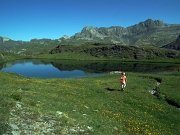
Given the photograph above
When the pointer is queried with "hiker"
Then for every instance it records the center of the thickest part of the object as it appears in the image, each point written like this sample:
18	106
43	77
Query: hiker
123	81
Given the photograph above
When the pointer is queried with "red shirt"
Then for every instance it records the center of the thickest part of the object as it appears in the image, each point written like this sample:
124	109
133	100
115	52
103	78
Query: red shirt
123	79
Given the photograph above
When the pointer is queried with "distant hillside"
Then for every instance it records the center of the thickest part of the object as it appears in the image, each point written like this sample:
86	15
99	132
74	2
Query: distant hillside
147	33
174	45
32	47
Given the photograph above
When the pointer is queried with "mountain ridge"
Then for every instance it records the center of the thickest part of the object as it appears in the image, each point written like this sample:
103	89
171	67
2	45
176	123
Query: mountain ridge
139	34
145	33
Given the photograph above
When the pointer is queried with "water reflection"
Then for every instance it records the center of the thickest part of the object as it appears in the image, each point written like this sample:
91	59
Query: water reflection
67	68
104	67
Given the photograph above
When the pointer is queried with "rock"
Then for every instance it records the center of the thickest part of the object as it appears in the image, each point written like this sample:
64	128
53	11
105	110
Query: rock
2	56
115	72
59	113
5	39
152	92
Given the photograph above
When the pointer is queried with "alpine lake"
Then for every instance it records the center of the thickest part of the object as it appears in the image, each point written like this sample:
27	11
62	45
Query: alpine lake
36	68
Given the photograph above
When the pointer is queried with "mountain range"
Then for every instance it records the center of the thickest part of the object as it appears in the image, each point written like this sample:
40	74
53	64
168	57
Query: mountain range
146	33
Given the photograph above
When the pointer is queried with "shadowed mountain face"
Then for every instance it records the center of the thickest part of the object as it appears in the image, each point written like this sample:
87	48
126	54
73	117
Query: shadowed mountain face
145	33
174	45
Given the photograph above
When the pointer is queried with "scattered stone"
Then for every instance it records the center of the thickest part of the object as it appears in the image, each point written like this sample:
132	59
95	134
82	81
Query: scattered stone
18	105
115	72
86	107
59	113
152	92
90	128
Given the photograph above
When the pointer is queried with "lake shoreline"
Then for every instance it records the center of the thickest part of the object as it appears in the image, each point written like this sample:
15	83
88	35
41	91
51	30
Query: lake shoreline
43	68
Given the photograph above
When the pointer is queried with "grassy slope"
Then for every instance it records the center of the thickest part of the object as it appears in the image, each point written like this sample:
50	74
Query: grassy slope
82	56
96	102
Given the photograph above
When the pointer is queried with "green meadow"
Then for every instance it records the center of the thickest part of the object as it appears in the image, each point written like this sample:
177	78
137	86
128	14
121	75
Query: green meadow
90	105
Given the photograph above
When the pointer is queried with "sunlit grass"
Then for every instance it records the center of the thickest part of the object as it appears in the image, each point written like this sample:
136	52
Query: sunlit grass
98	103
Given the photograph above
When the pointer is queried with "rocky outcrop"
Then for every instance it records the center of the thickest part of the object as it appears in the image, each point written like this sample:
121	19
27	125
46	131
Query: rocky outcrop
89	33
117	51
2	57
4	39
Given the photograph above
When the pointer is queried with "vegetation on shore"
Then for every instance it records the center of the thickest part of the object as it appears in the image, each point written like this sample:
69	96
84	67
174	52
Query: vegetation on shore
91	105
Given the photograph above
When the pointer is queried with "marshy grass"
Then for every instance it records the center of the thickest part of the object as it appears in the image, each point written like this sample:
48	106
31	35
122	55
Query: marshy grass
95	105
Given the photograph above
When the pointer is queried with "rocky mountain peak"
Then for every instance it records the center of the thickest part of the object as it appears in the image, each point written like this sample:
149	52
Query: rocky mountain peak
148	25
151	23
89	29
65	37
88	33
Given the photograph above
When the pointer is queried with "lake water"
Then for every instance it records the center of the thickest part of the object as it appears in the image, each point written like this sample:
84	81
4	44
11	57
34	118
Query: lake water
76	69
35	68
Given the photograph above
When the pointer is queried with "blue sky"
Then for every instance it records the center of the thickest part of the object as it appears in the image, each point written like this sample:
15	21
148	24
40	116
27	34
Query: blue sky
28	19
